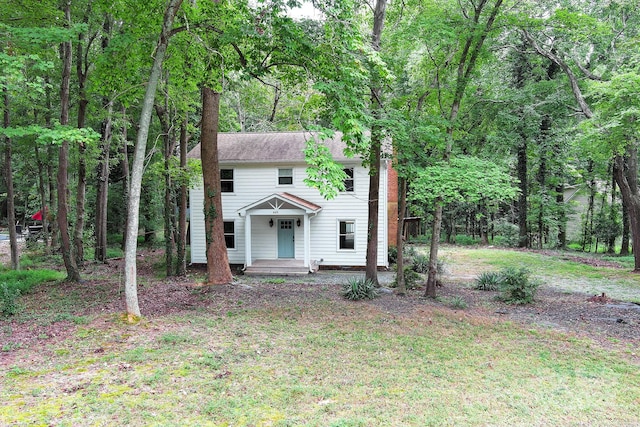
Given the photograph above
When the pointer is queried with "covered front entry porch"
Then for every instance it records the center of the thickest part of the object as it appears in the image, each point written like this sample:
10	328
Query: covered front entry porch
278	235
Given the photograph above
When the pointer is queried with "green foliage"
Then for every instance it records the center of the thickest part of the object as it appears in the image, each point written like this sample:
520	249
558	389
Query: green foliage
516	286
25	280
358	288
465	240
323	172
455	302
9	300
392	255
506	234
420	263
53	136
488	281
463	179
412	278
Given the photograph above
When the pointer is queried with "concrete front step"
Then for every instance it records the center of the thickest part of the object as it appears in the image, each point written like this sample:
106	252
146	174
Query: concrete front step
275	271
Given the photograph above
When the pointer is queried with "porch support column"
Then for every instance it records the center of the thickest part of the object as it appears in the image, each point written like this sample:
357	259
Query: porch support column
247	240
307	241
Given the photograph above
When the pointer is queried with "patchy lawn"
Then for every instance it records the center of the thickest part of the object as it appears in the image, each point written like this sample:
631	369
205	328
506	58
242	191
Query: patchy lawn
263	352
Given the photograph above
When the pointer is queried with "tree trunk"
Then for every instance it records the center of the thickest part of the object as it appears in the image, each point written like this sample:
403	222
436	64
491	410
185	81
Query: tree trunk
466	64
624	244
626	174
102	187
562	217
50	237
73	274
432	276
523	241
131	242
103	169
8	179
402	206
371	269
169	206
218	269
78	233
126	175
181	253
42	193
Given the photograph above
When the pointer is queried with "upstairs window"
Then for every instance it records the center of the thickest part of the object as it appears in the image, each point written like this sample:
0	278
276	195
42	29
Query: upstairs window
348	182
347	235
226	180
230	234
285	176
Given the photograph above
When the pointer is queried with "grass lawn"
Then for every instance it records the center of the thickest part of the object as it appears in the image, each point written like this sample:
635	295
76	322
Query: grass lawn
316	361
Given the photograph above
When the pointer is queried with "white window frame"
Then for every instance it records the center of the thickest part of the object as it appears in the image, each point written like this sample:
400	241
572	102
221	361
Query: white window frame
234	235
232	180
339	234
352	179
285	176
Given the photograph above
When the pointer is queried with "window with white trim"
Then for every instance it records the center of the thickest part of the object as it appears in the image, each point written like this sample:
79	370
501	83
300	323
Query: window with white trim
230	234
226	180
347	235
285	176
348	181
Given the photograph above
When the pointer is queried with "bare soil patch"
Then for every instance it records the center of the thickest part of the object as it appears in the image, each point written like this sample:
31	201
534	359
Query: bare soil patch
100	300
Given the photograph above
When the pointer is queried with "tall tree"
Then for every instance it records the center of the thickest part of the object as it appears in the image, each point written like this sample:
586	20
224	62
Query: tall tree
137	169
218	270
481	17
73	273
377	136
8	179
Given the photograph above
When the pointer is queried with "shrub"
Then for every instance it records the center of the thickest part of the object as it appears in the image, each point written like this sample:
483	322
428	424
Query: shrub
420	263
411	279
9	300
464	240
392	255
409	251
507	234
488	281
357	288
456	302
516	286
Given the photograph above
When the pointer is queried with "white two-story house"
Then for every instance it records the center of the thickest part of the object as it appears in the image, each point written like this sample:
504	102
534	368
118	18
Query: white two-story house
271	215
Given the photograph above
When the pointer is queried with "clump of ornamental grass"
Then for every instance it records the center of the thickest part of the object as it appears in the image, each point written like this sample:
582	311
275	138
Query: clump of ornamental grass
358	288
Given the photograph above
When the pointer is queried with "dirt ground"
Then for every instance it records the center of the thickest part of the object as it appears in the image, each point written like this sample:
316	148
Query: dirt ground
609	323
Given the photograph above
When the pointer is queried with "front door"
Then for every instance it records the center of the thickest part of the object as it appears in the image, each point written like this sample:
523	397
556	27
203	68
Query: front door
286	239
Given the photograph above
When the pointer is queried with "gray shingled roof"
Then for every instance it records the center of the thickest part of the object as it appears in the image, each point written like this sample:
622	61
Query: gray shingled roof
270	147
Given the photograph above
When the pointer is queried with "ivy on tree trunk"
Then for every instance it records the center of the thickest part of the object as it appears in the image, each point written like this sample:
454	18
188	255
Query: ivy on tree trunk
218	269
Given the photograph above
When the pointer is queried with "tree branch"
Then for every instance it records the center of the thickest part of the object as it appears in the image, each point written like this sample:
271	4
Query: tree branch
573	81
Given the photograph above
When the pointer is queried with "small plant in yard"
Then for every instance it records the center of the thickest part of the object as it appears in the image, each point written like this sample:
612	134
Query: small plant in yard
516	286
411	279
456	302
9	300
420	263
276	281
488	281
392	255
357	288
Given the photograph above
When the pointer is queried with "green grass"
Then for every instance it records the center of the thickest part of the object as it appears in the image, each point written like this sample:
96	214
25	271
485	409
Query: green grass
558	271
321	362
335	364
25	280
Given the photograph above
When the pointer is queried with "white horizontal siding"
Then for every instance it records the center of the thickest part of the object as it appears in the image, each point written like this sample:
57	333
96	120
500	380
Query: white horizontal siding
252	183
